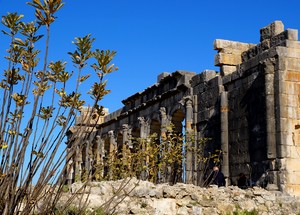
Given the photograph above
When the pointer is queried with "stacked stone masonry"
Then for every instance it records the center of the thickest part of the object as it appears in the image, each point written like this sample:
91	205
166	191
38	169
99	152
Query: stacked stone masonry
250	110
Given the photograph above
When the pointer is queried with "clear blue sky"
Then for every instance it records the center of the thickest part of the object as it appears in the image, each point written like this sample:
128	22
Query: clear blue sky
154	36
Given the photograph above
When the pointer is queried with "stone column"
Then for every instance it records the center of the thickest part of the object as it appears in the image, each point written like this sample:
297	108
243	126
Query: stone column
112	149
126	133
165	122
87	159
126	144
189	163
270	108
224	135
78	163
70	166
99	155
269	69
144	127
112	142
144	134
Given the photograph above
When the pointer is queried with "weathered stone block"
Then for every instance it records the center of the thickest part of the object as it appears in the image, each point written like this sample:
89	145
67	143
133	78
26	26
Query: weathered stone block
215	82
254	62
226	70
292	53
204	76
226	45
279	40
271	30
208	75
292	44
293	101
292	88
226	78
292	189
293	64
200	88
227	59
294	153
293	176
162	76
254	51
293	76
195	80
292	112
271	52
287	141
235	75
292	34
271	147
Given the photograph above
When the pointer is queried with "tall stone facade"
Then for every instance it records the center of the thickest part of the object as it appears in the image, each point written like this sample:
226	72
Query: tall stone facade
250	110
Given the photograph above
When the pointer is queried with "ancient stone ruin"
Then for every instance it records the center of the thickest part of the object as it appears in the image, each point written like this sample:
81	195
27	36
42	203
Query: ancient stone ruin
250	110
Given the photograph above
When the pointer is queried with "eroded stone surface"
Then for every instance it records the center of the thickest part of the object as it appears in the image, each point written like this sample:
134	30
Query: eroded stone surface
197	200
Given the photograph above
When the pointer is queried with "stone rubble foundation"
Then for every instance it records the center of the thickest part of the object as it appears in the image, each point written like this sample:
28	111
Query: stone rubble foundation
143	197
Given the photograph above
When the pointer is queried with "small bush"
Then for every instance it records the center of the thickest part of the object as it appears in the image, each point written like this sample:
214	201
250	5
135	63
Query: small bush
65	188
245	212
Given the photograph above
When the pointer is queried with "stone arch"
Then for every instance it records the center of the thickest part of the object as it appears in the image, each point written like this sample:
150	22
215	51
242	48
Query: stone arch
156	116
177	107
155	127
135	135
177	120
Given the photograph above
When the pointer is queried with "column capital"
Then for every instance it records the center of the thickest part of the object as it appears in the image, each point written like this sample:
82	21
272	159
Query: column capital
125	127
163	112
111	133
98	138
141	120
186	101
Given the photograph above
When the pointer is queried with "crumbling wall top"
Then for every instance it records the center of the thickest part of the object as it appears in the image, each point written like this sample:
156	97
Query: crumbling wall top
227	46
271	30
229	54
162	76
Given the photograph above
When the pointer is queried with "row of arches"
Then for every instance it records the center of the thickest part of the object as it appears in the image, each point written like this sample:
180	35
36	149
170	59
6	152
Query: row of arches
141	149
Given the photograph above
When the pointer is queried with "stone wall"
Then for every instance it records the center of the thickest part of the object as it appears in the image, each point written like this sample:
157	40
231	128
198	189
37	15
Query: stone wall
142	197
249	109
